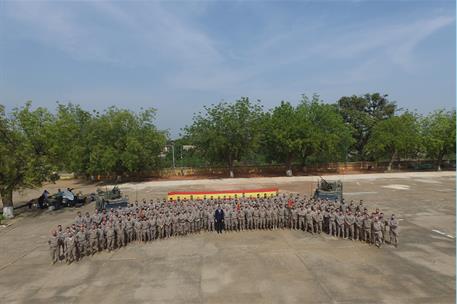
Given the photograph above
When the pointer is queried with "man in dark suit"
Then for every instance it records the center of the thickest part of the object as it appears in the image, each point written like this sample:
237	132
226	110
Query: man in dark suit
219	218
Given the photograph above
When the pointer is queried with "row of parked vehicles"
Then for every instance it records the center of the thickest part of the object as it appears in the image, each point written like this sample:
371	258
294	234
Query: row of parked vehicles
107	199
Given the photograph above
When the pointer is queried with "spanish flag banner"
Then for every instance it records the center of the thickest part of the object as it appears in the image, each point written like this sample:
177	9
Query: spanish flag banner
224	194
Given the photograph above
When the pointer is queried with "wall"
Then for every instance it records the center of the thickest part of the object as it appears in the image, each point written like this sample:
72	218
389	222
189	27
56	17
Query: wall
280	170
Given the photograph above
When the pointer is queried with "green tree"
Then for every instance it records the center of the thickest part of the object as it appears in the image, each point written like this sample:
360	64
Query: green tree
283	134
438	131
363	113
395	137
70	137
313	132
227	131
25	159
123	142
325	134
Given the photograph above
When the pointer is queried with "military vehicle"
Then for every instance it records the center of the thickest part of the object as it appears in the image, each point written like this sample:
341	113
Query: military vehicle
110	199
329	190
64	198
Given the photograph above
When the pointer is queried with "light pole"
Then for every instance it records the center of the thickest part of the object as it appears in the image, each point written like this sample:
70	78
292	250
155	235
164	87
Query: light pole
173	152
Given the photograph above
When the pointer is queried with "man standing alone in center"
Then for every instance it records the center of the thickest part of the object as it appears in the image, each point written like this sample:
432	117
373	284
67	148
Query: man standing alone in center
219	218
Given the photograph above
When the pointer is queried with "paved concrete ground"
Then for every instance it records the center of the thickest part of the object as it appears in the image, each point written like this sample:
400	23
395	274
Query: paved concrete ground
252	266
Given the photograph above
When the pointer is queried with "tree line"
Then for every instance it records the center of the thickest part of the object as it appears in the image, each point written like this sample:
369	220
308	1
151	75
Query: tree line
368	127
36	143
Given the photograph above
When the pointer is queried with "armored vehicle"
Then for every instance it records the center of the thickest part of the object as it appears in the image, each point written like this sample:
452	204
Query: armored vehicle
110	199
329	190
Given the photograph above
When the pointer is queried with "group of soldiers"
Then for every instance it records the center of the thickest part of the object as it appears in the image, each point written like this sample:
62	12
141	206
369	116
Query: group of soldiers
148	221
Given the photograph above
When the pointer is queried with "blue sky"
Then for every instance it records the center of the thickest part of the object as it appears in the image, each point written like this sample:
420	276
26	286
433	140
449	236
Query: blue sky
179	56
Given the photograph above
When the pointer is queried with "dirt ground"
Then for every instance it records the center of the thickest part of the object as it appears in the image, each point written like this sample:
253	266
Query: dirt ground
279	266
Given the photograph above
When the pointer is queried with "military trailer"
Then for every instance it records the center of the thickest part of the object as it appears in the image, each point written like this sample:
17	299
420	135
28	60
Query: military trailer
329	190
110	199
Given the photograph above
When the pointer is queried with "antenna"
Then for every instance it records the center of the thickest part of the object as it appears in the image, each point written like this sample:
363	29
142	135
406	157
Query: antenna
323	179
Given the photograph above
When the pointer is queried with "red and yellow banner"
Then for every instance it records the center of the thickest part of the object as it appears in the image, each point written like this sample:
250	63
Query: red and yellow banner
225	194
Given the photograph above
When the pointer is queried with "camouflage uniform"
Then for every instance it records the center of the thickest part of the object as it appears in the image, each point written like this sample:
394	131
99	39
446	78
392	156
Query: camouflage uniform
110	235
174	223
129	229
81	242
301	218
228	219
249	217
235	215
262	218
54	247
210	219
256	218
70	248
93	236
332	224
309	221
120	233
367	229
349	222
294	218
137	228
161	225
340	225
145	230
152	228
320	220
377	233
241	219
182	223
393	231
282	216
101	238
61	242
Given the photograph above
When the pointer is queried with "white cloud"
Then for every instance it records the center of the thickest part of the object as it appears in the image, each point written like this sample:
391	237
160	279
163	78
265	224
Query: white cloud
57	27
149	31
398	41
150	34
